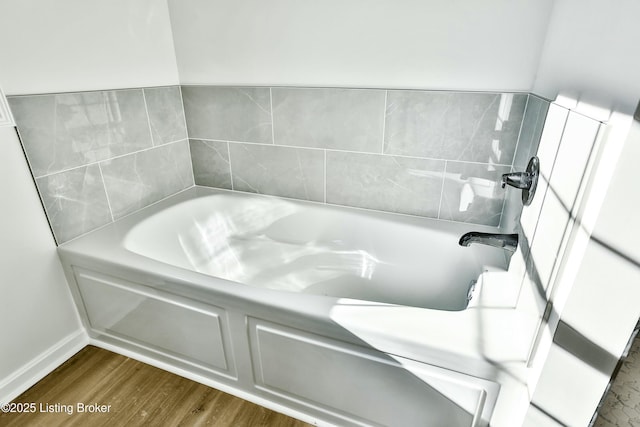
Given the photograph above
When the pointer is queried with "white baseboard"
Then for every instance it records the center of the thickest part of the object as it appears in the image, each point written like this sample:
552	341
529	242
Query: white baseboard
38	367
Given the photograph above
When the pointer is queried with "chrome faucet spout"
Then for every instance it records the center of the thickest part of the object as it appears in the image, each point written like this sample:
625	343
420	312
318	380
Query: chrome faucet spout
507	242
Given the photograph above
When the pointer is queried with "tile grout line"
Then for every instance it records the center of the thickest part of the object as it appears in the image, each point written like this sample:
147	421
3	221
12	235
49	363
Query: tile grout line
146	109
186	131
384	120
325	176
106	193
444	175
353	152
184	113
230	168
111	158
193	177
273	132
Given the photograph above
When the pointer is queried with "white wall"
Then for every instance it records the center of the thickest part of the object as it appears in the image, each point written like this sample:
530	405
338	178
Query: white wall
75	45
39	321
602	303
591	53
49	47
465	45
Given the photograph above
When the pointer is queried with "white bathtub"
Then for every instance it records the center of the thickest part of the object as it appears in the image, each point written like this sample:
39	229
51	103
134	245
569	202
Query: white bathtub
284	245
336	316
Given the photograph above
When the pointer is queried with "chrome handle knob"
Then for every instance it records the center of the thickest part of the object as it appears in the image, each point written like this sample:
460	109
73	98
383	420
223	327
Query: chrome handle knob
526	181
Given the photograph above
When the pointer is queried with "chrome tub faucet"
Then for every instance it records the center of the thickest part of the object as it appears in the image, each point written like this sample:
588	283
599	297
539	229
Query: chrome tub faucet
526	181
507	242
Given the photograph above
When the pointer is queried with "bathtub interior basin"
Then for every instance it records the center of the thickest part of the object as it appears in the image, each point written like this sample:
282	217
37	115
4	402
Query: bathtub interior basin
294	246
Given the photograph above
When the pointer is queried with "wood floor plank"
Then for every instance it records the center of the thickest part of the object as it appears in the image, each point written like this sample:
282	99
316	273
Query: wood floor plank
63	380
139	394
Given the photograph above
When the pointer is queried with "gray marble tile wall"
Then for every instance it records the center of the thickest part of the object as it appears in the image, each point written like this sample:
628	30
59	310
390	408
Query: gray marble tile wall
434	154
97	156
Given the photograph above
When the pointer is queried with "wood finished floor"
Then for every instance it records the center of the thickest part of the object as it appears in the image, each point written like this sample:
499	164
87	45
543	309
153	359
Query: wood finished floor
139	394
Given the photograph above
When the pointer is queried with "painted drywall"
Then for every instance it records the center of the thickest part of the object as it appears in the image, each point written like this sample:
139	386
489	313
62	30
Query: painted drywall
80	45
590	53
36	310
492	45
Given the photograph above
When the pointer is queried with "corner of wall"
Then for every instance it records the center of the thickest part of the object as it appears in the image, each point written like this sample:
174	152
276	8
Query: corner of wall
41	365
34	290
